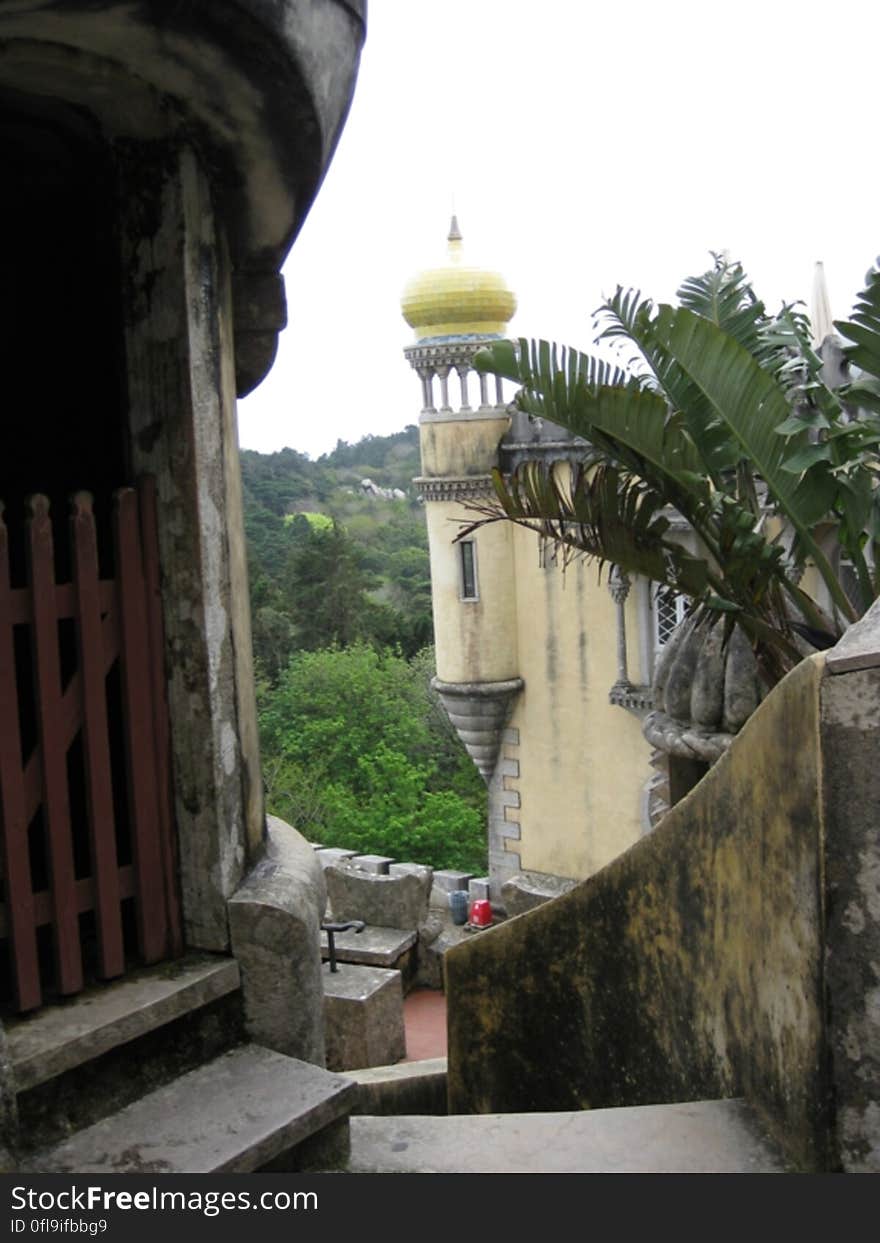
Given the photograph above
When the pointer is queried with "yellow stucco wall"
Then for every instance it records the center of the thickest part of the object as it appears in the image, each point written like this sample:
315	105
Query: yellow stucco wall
574	783
476	640
583	762
461	448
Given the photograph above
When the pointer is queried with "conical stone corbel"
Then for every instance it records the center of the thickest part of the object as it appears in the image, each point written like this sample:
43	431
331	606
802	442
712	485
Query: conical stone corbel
479	712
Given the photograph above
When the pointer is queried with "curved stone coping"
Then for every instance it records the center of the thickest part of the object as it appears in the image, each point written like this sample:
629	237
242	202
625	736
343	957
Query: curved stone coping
274	919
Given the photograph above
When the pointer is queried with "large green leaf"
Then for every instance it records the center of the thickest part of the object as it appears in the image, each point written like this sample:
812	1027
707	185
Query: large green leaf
586	396
863	329
539	364
724	296
752	405
625	315
601	513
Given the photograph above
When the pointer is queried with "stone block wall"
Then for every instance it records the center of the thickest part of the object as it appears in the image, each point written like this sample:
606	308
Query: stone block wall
504	814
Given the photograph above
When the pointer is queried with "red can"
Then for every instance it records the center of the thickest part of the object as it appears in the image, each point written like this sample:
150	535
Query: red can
481	913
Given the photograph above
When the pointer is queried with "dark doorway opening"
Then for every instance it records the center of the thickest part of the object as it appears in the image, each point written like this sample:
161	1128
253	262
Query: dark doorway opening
61	336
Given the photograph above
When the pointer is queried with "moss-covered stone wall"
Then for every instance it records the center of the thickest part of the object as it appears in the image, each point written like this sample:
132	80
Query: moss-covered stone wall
691	967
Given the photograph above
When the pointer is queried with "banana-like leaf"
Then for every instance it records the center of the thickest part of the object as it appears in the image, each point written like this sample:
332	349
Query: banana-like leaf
533	363
599	513
863	329
725	297
752	405
863	393
607	516
626	315
585	395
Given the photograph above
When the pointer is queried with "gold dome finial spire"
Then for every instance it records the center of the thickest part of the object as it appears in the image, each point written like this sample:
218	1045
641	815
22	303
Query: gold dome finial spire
455	246
458	300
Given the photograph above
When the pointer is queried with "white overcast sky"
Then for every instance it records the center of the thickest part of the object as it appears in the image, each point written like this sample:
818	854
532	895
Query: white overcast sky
584	145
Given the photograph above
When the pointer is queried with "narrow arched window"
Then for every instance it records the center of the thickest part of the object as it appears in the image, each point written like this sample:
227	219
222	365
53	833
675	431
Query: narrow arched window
468	564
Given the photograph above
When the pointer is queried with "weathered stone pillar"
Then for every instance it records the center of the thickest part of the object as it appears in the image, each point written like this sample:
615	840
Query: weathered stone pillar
183	430
850	725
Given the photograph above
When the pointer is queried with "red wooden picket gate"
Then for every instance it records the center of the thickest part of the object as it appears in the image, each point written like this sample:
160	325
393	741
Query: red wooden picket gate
86	810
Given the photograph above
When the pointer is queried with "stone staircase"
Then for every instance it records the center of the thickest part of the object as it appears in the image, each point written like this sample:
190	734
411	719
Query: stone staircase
699	1137
399	1125
154	1074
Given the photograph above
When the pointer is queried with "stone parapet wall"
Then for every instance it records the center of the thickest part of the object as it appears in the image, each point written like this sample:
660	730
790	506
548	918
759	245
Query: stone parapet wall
733	952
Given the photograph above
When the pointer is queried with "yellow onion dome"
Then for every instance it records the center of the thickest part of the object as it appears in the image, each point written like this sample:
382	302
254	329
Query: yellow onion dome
457	300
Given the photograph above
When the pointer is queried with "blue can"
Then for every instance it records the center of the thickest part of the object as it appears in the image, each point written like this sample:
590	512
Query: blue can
458	905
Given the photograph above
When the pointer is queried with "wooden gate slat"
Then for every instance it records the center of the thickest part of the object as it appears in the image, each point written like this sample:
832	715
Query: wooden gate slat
85	899
113	621
68	719
147	503
56	808
143	811
13	821
22	606
96	742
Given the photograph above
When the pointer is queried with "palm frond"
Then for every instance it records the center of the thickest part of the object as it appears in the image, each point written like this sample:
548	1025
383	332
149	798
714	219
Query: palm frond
863	328
592	399
724	296
625	315
752	405
600	513
540	365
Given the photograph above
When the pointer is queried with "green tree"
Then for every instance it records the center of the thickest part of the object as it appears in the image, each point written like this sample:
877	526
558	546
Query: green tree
272	639
353	755
325	586
372	575
725	416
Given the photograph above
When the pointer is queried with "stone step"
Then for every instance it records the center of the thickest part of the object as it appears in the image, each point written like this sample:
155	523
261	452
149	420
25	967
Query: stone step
374	947
705	1137
402	1088
235	1114
63	1037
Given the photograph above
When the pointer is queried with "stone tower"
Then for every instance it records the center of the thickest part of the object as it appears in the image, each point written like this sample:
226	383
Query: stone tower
453	311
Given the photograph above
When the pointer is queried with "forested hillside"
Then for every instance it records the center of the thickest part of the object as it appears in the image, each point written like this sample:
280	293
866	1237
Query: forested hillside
356	749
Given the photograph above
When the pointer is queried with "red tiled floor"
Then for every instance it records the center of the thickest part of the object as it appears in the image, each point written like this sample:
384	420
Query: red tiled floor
424	1018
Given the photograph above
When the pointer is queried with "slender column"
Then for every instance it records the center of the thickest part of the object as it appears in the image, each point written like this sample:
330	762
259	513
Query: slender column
443	374
484	390
462	370
426	375
618	586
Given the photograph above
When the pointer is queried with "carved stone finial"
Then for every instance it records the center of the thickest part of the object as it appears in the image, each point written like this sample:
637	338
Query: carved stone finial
618	584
